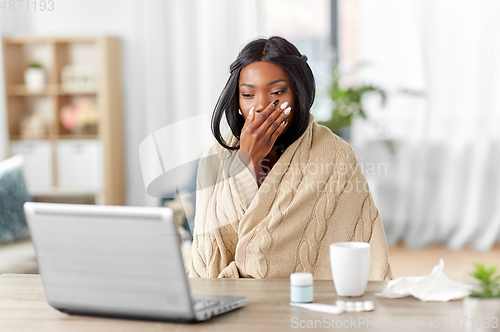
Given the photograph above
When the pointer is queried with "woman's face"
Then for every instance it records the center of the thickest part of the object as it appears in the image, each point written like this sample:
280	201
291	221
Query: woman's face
260	84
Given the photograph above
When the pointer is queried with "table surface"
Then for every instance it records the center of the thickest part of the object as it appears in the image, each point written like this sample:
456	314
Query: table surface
23	308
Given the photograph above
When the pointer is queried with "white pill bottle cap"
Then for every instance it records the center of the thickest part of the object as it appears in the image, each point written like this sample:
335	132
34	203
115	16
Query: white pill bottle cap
301	279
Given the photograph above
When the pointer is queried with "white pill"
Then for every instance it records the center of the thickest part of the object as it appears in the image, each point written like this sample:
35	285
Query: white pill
349	306
340	304
369	306
358	307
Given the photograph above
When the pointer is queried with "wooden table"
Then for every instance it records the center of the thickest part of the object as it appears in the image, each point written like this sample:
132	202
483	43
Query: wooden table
23	308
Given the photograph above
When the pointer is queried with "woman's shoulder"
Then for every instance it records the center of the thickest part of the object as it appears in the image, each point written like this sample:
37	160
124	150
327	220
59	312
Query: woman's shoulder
333	145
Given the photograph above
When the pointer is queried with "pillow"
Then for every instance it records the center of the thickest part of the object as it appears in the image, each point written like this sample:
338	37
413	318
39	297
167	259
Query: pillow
13	195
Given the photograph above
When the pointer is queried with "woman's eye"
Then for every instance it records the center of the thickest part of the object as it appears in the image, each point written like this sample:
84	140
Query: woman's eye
246	95
279	92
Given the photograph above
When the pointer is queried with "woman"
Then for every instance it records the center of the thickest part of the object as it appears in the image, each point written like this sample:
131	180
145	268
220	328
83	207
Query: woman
279	189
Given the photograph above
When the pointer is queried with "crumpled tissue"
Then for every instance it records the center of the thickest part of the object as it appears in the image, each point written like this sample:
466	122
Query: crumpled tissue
433	287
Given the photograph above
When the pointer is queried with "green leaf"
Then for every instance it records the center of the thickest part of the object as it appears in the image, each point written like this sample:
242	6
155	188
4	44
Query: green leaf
488	283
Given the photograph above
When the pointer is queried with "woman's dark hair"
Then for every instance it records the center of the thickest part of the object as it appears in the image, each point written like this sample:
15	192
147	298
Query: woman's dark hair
281	52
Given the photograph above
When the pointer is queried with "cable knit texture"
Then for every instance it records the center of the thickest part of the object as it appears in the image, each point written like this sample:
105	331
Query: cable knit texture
315	195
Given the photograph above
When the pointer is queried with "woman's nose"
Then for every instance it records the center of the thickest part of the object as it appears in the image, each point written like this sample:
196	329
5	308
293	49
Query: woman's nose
261	102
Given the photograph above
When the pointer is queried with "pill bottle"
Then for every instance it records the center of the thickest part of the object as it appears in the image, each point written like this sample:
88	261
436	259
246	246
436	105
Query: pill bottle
301	287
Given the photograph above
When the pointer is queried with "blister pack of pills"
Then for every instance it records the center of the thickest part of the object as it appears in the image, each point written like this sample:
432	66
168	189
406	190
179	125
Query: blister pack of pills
338	308
355	306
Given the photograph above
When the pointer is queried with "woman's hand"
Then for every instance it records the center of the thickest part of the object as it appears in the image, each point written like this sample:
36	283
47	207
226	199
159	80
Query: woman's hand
260	131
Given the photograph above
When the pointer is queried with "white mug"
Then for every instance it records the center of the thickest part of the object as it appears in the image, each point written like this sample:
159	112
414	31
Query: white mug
350	263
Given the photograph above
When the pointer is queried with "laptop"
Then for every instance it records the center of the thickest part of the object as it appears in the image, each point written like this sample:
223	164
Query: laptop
116	261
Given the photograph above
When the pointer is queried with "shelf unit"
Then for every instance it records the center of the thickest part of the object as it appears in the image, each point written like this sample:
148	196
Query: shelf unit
59	162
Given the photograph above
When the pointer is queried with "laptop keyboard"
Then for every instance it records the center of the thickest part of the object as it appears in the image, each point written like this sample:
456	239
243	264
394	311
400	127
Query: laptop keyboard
204	304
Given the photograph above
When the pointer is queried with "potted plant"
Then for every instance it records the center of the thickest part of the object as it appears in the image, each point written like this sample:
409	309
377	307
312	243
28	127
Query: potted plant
34	77
482	307
347	104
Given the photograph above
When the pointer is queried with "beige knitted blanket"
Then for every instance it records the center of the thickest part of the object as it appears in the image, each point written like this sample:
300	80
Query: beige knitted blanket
315	195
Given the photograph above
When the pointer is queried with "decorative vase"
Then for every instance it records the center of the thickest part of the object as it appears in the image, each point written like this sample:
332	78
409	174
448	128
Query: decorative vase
34	79
482	314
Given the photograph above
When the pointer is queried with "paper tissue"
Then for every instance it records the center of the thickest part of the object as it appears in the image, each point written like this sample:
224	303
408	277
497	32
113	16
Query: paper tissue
433	287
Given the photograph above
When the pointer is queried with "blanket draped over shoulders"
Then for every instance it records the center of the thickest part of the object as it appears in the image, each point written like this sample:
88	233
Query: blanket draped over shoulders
315	195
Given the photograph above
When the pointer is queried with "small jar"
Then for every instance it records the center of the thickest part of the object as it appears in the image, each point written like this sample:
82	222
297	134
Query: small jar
301	287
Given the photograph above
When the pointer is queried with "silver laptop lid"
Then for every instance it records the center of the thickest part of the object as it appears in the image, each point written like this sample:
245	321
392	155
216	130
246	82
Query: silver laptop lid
110	260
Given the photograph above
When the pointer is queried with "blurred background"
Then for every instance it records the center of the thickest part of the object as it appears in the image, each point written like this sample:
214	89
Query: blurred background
413	86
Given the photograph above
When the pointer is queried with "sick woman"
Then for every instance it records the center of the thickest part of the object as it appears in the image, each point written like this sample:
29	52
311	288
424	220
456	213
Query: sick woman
278	189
